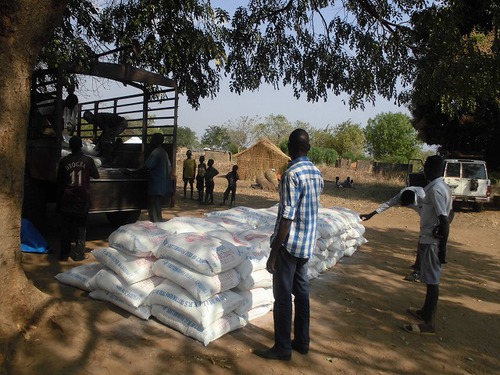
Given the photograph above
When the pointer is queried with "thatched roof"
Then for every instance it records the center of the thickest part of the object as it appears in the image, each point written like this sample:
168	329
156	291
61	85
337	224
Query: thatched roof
265	143
260	157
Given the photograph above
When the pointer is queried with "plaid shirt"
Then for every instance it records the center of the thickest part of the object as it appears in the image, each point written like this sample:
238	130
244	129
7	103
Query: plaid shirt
300	188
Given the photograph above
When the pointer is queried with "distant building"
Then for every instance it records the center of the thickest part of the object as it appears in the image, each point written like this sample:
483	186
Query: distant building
257	159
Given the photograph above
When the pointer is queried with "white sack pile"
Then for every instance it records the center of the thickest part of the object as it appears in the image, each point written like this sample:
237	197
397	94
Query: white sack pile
207	276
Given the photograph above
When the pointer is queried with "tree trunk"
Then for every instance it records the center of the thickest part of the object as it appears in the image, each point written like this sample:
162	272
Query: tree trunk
24	27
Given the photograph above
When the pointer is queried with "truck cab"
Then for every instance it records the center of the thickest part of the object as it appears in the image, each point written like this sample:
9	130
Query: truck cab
149	104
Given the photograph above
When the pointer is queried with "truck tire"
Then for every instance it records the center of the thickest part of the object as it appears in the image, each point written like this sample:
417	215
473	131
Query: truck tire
119	218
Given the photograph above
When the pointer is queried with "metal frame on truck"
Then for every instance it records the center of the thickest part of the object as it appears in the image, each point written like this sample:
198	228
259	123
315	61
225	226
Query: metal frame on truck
154	109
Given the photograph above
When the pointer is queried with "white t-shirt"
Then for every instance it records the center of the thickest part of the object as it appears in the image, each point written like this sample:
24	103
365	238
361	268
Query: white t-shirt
437	202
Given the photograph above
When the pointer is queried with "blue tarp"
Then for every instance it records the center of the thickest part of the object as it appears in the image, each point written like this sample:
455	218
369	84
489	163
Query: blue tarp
32	240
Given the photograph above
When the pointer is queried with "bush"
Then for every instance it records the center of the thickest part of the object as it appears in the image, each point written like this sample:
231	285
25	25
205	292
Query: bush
322	155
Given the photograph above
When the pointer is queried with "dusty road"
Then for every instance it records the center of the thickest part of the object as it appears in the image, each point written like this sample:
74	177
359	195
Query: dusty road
358	310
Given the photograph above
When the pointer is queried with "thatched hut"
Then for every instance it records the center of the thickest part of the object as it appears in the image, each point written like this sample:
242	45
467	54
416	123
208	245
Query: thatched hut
262	156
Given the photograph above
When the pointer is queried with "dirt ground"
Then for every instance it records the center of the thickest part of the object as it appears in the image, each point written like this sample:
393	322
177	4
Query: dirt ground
358	308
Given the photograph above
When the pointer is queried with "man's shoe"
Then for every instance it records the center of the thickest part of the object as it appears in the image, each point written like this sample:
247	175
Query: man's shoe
80	257
273	354
414	276
299	348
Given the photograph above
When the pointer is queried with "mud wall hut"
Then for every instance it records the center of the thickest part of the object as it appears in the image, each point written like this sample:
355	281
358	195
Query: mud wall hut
257	159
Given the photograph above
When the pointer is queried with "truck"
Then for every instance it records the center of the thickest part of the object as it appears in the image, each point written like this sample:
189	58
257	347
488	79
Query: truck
467	178
149	104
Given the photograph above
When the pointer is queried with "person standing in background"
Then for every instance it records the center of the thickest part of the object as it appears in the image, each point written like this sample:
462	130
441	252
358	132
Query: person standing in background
432	247
210	173
292	244
231	178
200	178
188	172
70	110
73	198
159	178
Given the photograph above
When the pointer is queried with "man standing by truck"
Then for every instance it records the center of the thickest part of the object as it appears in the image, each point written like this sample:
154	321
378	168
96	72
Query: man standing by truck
159	178
73	198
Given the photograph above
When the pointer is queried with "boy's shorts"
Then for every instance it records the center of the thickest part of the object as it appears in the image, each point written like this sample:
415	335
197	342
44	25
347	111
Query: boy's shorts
200	183
430	266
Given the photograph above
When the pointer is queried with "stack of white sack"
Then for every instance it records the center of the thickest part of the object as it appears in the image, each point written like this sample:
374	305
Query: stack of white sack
256	282
127	278
207	276
340	233
257	226
198	270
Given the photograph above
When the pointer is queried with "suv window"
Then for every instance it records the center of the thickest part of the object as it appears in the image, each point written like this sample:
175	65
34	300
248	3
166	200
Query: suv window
453	170
476	171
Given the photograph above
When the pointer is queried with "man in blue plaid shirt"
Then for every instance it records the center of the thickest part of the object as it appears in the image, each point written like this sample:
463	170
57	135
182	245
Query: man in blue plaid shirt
292	245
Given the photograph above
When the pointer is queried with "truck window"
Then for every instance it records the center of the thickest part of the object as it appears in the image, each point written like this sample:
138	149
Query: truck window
476	171
452	170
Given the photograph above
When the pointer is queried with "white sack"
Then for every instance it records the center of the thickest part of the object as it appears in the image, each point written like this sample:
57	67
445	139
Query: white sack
130	268
143	312
246	215
201	253
258	239
140	239
202	313
257	279
80	276
256	312
201	287
176	320
134	294
186	224
254	298
229	224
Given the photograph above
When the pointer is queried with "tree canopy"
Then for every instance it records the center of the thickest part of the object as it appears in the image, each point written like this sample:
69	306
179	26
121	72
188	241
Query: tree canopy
440	57
318	47
390	137
186	137
456	97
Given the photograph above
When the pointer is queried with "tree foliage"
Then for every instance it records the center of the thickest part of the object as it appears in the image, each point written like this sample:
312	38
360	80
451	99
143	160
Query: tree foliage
317	47
241	132
391	138
187	137
456	96
216	137
348	139
275	127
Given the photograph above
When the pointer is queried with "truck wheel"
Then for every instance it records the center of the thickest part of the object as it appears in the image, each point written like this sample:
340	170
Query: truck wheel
477	207
119	218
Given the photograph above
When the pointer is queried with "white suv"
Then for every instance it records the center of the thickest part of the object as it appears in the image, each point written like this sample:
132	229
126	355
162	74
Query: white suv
468	180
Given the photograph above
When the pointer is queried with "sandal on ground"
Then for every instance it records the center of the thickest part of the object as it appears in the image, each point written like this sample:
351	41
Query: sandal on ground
419	329
416	313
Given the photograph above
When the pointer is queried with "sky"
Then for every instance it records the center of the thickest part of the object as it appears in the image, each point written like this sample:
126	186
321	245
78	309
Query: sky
267	101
